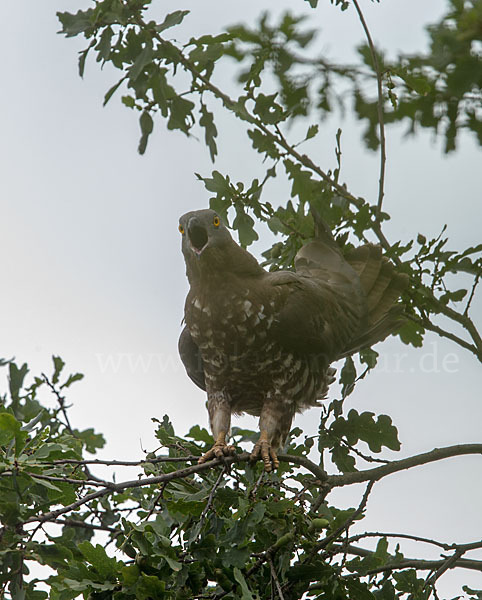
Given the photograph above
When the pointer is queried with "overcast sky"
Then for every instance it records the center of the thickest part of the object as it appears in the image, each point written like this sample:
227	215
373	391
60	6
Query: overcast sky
92	268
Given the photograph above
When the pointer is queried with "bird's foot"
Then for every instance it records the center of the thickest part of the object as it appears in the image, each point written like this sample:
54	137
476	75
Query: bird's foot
219	450
263	450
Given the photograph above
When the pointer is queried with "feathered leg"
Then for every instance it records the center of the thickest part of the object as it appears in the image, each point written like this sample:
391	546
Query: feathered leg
274	425
220	421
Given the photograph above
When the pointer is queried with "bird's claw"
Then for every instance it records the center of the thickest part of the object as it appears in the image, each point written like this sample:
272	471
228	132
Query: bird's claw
219	450
263	450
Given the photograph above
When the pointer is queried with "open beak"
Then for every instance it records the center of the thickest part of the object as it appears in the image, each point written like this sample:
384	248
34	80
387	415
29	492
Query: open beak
198	236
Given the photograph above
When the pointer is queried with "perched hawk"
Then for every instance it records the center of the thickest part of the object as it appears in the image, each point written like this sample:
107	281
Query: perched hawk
262	343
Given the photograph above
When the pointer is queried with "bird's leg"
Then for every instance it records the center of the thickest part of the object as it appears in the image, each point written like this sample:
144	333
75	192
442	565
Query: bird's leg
220	420
264	451
274	425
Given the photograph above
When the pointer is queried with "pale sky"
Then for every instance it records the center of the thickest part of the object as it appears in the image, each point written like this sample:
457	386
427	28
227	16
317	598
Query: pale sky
92	268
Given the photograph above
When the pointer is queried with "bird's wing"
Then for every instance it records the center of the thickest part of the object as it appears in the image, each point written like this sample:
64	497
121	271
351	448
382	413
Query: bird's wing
191	358
321	305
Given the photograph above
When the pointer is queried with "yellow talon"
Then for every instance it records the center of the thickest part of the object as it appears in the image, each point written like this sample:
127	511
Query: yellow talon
263	450
219	450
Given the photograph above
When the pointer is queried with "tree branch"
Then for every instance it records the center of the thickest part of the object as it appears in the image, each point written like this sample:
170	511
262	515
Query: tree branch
408	563
403	464
370	475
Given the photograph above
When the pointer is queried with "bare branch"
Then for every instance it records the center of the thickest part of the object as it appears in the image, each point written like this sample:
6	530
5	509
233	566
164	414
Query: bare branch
405	463
407	563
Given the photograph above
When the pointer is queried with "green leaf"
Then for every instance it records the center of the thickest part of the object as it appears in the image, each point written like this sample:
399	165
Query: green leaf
245	227
456	296
181	116
200	435
245	593
348	377
72	25
369	358
71	379
174	564
342	458
91	440
128	101
411	333
263	143
312	131
150	587
210	131
112	91
268	110
147	125
16	377
172	19
58	366
9	428
105	566
358	589
143	58
376	433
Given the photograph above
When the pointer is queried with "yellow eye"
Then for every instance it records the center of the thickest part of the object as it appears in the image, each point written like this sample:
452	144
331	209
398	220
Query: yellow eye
181	229
216	221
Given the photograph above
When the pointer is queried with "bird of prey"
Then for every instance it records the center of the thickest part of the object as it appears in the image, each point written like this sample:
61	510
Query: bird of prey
262	342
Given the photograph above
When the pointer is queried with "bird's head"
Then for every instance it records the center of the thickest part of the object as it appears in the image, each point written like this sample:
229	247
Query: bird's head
208	247
202	230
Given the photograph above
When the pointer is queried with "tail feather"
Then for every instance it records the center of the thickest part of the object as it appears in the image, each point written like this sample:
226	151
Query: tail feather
382	286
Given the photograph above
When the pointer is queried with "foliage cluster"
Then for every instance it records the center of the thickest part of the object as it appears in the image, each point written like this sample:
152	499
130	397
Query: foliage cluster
183	530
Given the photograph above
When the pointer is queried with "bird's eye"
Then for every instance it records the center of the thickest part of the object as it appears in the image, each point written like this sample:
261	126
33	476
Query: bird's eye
216	221
181	229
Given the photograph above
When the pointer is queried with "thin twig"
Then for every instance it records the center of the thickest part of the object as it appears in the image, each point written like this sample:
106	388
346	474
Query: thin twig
448	564
345	526
121	463
84	525
96	483
60	400
211	498
415	538
381	122
275	578
472	293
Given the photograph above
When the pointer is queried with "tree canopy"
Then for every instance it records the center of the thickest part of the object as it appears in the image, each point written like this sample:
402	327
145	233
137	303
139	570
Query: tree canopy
227	529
